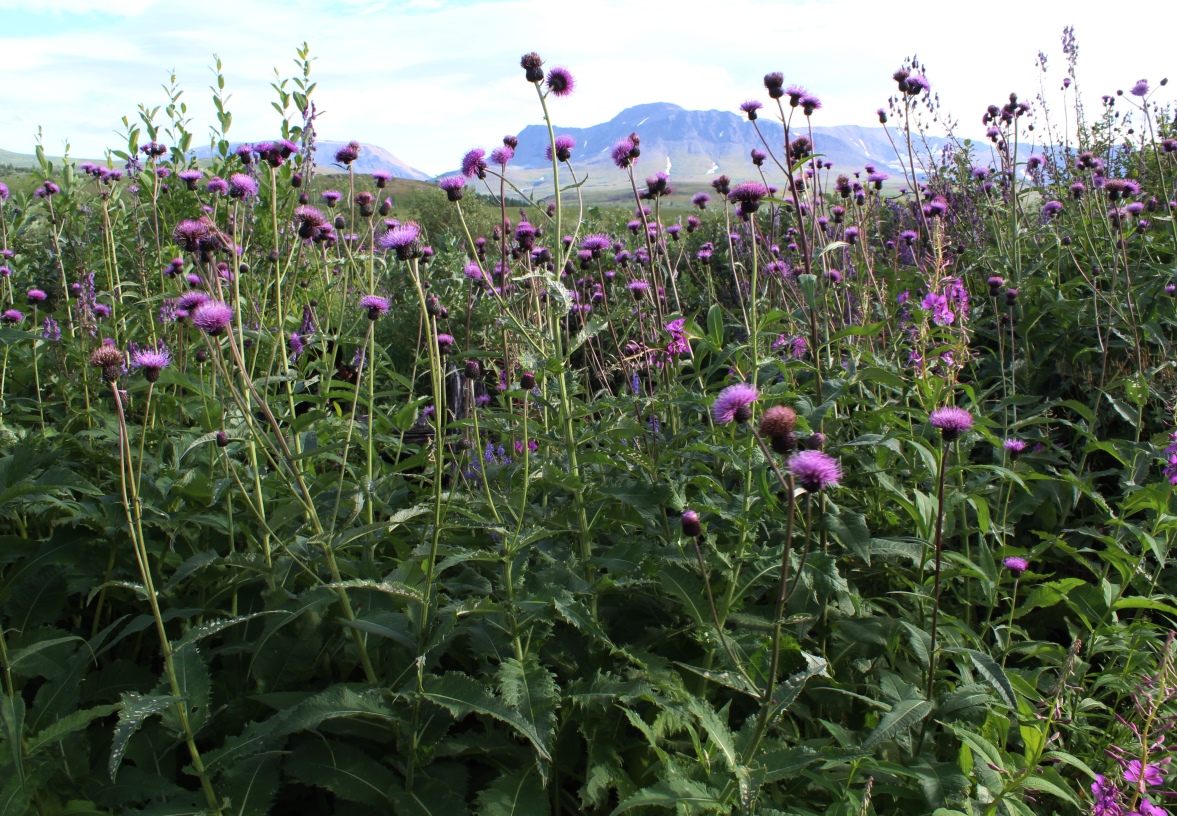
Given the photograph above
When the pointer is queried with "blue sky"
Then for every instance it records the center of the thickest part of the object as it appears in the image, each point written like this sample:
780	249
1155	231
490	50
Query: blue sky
428	79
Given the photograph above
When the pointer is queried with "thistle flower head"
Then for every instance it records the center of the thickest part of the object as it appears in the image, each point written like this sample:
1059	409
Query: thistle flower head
348	153
404	238
212	317
11	316
452	185
564	145
748	195
560	81
750	107
1015	564
242	186
36	296
691	527
152	361
815	470
778	421
952	422
734	403
622	152
374	305
474	164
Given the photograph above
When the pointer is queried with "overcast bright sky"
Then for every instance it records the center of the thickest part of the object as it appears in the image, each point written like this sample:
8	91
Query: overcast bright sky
428	79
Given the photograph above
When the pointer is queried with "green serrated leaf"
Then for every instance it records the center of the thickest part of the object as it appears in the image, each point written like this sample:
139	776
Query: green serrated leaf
904	715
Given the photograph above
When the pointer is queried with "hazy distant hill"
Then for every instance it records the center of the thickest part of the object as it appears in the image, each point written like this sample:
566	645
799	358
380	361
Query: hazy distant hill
371	158
695	146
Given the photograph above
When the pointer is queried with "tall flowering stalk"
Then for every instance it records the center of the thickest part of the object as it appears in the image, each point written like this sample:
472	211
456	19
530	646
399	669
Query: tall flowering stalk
953	423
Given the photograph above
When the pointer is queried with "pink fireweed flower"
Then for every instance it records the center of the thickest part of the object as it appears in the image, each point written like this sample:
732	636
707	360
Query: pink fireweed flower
1149	774
734	403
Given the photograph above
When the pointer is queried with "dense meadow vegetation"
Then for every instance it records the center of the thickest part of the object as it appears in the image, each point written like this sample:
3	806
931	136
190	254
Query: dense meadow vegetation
853	496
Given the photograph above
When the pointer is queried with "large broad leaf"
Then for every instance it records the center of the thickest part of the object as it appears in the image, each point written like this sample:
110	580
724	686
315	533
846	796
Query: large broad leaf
136	708
195	687
903	716
515	794
462	695
66	726
530	689
345	770
250	785
335	703
677	791
789	690
991	670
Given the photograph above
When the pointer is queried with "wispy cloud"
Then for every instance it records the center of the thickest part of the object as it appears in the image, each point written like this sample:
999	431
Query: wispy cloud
428	79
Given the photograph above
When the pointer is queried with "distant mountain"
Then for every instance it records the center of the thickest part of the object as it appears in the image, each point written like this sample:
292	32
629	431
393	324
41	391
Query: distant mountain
371	158
695	146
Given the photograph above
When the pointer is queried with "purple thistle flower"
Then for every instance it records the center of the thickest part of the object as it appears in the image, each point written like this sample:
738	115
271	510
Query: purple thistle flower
560	81
402	238
700	200
375	305
596	243
1140	88
452	185
36	296
1051	208
750	107
502	155
952	421
690	524
11	316
101	311
748	195
445	342
734	403
190	301
348	153
917	83
815	470
212	317
3	192
218	185
622	152
1015	564
809	104
331	197
151	361
381	177
242	186
564	145
474	164
1014	447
